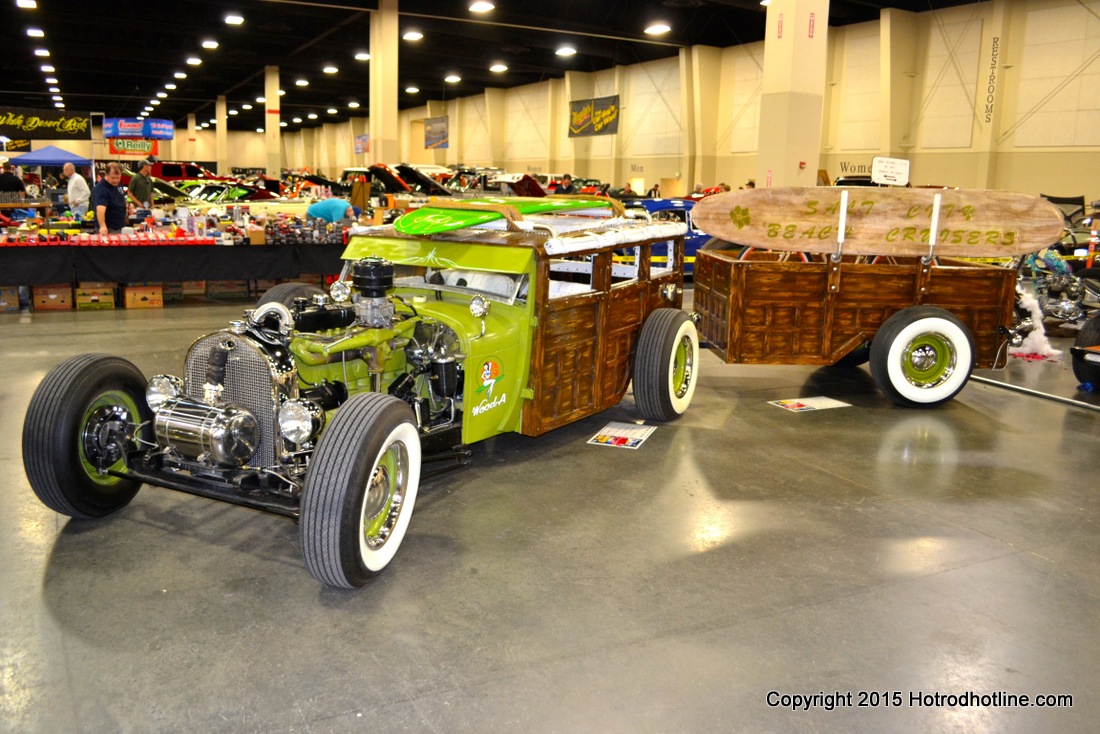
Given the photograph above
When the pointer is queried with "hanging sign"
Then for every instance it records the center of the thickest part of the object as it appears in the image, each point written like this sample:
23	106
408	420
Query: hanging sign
21	122
890	171
598	116
132	146
135	127
435	132
362	144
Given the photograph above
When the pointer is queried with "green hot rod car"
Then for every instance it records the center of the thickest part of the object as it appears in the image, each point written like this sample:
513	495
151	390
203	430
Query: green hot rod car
458	323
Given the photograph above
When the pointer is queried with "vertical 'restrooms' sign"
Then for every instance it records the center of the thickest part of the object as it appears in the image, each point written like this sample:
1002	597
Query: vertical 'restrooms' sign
598	116
21	122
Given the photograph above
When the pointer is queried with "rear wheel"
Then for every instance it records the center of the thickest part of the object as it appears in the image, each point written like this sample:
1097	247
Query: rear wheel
922	355
82	420
666	365
285	293
360	490
1087	373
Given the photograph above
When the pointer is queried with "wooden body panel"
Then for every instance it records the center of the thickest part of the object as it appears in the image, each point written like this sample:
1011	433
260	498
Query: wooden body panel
770	311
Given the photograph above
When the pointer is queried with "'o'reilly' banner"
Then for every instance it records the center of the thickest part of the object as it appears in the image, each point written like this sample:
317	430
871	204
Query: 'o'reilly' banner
135	127
20	122
594	116
132	146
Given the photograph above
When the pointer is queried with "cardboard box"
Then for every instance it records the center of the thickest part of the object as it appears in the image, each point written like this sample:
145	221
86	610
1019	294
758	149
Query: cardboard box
172	292
9	299
143	296
194	287
94	298
257	237
52	297
227	289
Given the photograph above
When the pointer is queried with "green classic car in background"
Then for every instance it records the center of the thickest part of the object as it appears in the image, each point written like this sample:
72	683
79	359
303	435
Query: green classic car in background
458	323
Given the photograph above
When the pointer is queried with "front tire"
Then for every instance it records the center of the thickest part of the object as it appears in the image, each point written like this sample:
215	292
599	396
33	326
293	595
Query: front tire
1087	373
285	293
666	365
922	356
360	490
81	420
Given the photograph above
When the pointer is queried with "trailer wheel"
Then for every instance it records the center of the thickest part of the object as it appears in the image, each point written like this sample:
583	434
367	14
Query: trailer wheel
666	365
360	490
1087	372
922	355
285	293
81	421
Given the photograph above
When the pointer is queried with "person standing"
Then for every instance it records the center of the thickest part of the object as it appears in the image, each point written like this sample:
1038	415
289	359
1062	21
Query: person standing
109	201
654	191
78	192
565	186
9	182
140	189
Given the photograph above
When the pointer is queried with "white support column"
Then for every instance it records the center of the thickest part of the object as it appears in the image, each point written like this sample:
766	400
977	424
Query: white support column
273	149
221	136
384	28
187	152
795	59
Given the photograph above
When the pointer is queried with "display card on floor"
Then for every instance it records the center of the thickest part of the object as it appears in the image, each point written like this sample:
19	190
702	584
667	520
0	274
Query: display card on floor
801	405
622	435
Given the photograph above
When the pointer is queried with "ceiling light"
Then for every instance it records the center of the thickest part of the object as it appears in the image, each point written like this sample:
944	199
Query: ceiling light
29	4
162	95
261	100
259	129
35	33
413	35
154	101
51	80
48	69
194	60
452	78
362	56
765	3
330	69
481	7
205	125
180	75
57	98
353	105
213	121
656	29
296	119
233	112
233	19
59	105
148	108
498	67
282	124
566	51
412	90
210	43
332	110
301	82
55	89
169	86
312	115
41	52
282	92
246	106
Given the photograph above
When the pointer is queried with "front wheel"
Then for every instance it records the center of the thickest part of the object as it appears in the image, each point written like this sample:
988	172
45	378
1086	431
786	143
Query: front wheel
922	355
360	490
666	365
83	418
1086	372
285	293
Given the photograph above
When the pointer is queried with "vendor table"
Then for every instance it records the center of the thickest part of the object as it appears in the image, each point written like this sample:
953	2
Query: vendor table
154	263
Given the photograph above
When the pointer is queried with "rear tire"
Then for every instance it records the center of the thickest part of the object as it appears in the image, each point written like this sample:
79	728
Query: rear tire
1087	373
922	356
360	491
666	365
285	293
80	420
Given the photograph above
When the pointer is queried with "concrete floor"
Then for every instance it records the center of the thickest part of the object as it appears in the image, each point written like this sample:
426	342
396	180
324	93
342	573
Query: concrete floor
560	587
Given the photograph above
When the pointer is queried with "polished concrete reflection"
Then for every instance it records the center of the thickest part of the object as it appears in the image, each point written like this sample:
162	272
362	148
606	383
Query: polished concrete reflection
560	587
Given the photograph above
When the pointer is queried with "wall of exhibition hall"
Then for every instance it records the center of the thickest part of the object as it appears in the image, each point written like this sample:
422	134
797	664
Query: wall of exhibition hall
1001	94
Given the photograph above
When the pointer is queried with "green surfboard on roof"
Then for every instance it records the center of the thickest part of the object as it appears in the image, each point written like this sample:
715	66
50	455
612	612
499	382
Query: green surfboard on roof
442	216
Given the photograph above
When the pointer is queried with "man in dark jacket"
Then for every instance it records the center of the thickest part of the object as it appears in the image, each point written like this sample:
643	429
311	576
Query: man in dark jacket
9	182
566	185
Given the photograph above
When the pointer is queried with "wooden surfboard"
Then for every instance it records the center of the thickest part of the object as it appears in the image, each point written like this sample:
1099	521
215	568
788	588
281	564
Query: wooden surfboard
882	221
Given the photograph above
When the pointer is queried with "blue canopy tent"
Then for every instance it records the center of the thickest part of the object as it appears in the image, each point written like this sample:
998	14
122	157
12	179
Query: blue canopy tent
51	155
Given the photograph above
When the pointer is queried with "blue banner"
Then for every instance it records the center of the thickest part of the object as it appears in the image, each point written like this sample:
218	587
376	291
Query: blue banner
135	127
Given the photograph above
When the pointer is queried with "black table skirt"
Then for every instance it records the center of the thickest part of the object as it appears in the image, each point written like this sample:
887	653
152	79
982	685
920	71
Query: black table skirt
126	264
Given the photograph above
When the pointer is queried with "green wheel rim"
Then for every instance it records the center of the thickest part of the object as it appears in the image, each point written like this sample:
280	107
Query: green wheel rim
682	366
110	400
928	360
385	495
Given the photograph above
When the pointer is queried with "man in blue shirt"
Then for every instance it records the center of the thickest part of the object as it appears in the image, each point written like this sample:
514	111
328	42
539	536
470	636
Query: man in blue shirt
332	210
109	202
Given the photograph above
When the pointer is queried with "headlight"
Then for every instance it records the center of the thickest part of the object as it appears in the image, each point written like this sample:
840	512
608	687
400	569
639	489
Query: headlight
300	421
161	389
479	307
